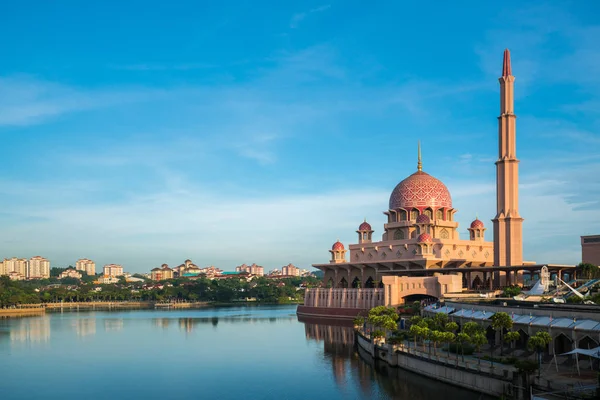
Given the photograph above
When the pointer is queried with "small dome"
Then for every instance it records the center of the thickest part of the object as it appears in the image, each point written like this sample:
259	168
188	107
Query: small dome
337	246
365	226
164	266
423	219
424	238
477	224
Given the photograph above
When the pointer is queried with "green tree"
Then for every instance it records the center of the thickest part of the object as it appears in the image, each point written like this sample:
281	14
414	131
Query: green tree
462	339
511	337
587	271
435	337
539	342
451	327
501	321
478	340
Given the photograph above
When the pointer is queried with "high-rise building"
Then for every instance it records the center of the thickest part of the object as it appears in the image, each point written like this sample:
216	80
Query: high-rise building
15	267
38	268
251	269
590	249
291	270
86	265
113	270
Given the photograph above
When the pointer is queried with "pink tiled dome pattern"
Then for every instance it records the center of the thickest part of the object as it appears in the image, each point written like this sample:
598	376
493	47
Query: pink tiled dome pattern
423	219
420	190
365	226
477	224
337	246
424	238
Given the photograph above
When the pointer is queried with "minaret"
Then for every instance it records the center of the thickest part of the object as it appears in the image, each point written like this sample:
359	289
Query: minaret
508	235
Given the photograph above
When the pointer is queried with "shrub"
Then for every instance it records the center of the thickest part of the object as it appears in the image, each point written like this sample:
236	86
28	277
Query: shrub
377	334
526	366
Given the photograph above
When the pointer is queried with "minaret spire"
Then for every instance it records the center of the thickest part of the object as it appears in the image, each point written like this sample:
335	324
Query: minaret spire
506	68
508	236
419	163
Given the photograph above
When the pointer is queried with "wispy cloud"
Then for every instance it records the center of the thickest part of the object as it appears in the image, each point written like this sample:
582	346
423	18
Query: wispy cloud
25	100
299	17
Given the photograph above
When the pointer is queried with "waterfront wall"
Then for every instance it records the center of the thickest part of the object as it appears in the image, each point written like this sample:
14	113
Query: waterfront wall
344	298
490	381
19	312
330	313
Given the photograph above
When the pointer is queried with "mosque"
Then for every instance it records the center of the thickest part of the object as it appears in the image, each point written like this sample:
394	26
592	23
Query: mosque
420	253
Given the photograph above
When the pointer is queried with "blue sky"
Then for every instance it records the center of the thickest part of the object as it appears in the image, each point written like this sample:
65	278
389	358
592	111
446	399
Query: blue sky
144	132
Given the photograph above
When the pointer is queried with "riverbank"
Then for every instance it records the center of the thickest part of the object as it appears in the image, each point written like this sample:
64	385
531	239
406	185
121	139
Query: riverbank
21	312
40	309
476	375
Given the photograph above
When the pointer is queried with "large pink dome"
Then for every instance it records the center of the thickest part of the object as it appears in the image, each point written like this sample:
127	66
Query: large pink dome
420	190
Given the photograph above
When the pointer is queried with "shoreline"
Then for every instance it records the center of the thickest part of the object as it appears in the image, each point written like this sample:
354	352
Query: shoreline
41	308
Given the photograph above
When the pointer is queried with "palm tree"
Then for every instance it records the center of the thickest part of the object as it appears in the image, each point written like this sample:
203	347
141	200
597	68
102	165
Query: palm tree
539	342
501	321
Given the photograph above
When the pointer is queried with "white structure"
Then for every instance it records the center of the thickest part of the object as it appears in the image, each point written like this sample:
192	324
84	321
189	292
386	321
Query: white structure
290	270
70	273
113	270
15	267
86	265
38	268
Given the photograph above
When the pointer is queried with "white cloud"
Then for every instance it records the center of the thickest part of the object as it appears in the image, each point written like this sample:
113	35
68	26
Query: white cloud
299	17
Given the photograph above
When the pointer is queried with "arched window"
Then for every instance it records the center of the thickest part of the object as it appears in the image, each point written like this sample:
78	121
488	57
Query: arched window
428	212
399	234
478	234
365	236
414	214
403	215
444	234
439	214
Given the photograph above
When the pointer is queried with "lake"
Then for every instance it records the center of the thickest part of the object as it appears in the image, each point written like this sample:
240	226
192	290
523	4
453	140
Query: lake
245	352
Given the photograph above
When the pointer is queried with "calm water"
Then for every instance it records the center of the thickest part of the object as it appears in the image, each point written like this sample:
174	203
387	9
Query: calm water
221	353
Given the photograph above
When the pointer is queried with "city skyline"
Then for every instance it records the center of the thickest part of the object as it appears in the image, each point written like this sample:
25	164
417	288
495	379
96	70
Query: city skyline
228	140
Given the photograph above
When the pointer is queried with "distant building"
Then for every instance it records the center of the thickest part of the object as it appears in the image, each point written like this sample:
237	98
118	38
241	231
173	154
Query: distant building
590	249
107	280
251	269
86	265
162	273
113	270
38	268
290	270
16	265
16	276
211	272
275	272
70	273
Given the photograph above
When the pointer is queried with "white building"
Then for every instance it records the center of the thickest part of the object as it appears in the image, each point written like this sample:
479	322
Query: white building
290	270
38	268
113	270
15	267
86	265
70	273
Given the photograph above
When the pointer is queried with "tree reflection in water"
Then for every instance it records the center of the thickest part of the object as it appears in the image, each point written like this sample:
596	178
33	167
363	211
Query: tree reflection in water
352	366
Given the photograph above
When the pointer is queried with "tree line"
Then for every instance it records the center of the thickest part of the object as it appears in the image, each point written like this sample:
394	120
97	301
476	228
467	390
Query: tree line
14	293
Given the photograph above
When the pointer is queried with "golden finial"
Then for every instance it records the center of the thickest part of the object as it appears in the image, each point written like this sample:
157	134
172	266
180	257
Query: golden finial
419	164
365	219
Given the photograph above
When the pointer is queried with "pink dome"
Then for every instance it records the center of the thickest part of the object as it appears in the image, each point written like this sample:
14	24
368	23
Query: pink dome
365	226
477	224
424	238
423	219
337	246
420	190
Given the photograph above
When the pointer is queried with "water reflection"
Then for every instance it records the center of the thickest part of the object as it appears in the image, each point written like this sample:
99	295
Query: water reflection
31	330
352	366
113	324
85	327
